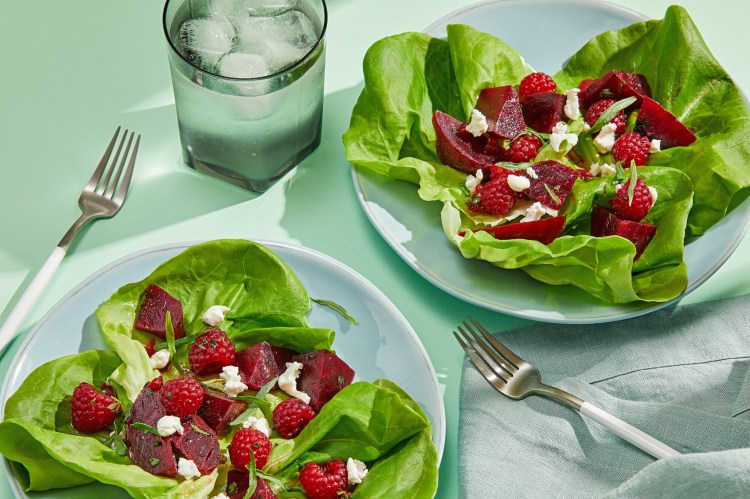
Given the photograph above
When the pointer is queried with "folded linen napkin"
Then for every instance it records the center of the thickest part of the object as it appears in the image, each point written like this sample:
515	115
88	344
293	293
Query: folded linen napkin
681	374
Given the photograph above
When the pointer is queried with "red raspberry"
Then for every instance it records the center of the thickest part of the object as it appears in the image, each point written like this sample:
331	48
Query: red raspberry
181	396
324	481
630	147
634	209
244	442
536	83
596	110
91	410
494	198
291	416
156	384
211	351
524	148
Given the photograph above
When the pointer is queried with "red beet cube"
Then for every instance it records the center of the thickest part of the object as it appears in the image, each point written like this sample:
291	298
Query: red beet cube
606	223
152	316
198	443
655	122
615	85
550	176
147	450
503	111
458	148
542	111
218	410
544	230
323	376
238	483
257	365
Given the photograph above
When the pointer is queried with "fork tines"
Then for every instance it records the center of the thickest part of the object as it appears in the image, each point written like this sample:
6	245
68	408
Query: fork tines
99	182
492	358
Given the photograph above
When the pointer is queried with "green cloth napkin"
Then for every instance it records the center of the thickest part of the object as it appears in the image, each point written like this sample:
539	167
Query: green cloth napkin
681	374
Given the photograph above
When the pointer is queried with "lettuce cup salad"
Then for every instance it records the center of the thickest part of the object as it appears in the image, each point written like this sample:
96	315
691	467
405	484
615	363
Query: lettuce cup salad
594	176
216	386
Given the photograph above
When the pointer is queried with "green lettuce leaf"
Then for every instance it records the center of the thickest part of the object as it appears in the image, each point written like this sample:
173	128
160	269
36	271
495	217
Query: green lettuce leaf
714	174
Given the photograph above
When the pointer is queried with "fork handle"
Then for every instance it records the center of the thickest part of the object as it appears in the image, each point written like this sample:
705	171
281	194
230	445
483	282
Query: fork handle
630	433
30	296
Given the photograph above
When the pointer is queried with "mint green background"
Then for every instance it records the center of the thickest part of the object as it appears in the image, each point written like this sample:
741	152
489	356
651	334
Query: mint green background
72	71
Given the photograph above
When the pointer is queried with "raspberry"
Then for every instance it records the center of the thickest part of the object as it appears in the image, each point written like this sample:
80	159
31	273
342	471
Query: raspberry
211	351
244	442
324	481
291	416
630	147
156	384
634	209
181	396
536	83
494	198
91	410
596	110
524	148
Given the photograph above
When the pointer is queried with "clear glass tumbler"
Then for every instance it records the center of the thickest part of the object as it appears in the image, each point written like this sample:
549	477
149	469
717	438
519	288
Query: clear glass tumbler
248	84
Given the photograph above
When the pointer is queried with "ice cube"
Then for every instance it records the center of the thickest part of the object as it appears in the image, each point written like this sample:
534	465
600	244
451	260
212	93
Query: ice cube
204	41
292	27
243	65
266	7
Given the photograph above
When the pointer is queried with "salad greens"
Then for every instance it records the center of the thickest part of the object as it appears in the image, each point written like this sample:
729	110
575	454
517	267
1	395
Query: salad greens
409	76
377	423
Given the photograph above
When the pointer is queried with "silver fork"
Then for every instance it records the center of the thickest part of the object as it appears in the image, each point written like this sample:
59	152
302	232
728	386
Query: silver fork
515	378
102	197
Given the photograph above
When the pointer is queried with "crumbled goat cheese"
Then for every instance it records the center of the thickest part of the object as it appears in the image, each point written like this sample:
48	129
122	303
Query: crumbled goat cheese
602	170
473	181
571	108
356	471
531	173
518	183
654	194
233	384
260	424
159	359
605	140
220	495
169	425
215	314
560	134
478	123
534	212
187	469
655	146
288	381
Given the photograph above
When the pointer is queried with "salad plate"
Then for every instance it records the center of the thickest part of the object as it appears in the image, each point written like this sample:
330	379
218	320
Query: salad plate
546	33
381	344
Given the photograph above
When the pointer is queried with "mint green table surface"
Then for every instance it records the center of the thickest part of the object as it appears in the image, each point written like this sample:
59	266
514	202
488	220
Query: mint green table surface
72	71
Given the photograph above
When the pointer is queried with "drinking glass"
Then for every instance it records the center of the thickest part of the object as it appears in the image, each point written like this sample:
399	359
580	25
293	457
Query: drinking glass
248	84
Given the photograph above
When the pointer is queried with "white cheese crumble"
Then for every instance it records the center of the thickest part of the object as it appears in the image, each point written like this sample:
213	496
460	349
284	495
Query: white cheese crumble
233	384
169	425
260	424
187	469
654	194
571	108
478	123
473	181
655	146
220	495
536	211
518	183
531	173
605	140
356	471
288	381
215	314
560	134
159	359
602	170
586	127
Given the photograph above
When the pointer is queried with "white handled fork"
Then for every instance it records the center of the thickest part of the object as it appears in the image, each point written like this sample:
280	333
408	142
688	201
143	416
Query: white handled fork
102	197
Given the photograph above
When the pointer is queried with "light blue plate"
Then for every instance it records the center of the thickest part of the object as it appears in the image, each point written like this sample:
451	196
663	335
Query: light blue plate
382	345
546	33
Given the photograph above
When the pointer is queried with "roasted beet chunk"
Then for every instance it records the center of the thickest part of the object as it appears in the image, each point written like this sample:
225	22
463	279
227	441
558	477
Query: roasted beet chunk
149	451
458	148
323	376
218	410
606	223
550	183
545	230
503	111
152	316
543	111
615	85
257	365
655	122
198	443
